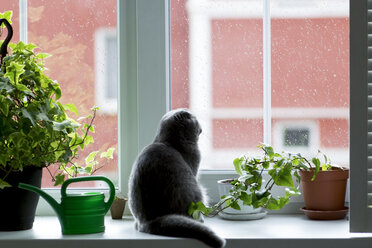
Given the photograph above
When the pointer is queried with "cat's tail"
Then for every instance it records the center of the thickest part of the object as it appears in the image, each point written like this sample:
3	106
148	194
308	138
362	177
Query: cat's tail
181	226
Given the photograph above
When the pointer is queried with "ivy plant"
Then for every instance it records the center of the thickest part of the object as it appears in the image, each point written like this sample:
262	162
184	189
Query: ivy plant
250	187
35	129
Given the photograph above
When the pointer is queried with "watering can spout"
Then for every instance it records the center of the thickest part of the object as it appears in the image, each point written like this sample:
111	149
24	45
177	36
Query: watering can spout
55	205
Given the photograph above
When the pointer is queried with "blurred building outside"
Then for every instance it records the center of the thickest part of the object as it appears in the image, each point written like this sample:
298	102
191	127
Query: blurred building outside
216	71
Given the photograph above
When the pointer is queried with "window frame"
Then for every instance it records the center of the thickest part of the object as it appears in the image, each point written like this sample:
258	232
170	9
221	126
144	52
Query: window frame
144	77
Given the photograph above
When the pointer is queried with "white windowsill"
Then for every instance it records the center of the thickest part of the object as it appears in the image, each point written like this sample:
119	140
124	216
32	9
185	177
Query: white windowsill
272	231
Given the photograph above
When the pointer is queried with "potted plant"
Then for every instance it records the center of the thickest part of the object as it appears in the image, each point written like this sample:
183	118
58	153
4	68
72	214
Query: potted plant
324	188
35	132
251	190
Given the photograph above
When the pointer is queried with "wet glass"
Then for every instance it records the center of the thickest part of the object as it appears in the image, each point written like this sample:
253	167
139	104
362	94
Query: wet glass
217	72
310	76
81	37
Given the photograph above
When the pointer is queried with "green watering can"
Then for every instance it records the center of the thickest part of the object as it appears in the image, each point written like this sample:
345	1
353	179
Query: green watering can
79	213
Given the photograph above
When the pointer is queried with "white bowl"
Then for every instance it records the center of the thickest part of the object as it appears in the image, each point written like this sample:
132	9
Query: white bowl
224	187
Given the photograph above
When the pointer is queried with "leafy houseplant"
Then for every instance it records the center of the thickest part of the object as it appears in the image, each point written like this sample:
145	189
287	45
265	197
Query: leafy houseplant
250	189
35	130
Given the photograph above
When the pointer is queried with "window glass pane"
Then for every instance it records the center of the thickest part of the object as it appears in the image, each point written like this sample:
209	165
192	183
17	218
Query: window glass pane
310	75
216	56
81	36
217	68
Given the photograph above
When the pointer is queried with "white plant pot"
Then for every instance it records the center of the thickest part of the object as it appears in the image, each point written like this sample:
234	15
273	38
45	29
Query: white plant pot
224	187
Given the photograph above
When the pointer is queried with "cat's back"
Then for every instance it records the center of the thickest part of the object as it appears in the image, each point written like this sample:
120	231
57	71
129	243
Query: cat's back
160	158
160	174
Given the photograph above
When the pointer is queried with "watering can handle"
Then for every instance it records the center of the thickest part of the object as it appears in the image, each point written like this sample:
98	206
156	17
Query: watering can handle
91	178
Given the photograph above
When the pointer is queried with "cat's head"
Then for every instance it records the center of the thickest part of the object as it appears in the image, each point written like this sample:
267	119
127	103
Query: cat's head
179	125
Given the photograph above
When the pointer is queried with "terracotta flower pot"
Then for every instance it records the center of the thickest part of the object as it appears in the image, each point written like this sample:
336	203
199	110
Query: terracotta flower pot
326	193
117	208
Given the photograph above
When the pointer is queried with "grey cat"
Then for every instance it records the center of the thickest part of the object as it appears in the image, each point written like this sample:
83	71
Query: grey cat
163	182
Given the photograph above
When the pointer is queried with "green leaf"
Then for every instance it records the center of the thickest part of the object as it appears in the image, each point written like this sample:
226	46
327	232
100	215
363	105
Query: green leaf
22	88
279	163
19	47
4	184
262	194
237	165
59	126
326	167
284	176
266	165
42	116
91	157
108	154
4	85
88	127
246	198
14	71
235	205
3	159
30	47
71	107
269	151
8	16
298	177
4	106
28	115
283	201
192	208
316	162
195	214
88	140
60	178
195	209
88	169
292	192
273	204
325	158
246	177
54	144
42	55
57	91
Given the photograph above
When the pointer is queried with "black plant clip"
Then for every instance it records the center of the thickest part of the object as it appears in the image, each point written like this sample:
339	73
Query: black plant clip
4	46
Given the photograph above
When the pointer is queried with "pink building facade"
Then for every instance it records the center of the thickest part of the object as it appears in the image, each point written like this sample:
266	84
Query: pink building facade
216	71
